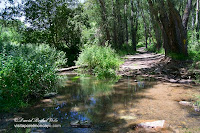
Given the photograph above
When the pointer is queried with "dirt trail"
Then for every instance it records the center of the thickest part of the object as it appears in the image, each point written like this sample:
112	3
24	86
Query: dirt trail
157	66
142	60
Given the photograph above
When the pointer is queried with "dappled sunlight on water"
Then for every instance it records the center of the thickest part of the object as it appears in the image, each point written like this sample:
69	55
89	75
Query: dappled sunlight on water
113	107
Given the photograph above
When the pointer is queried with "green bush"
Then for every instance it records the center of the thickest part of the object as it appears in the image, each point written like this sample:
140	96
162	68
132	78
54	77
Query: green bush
140	44
27	72
101	61
194	54
9	35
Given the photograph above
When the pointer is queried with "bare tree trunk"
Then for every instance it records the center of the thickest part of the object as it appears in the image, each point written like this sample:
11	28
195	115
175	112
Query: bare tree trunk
133	34
186	14
156	27
114	24
104	19
197	20
145	27
126	21
120	25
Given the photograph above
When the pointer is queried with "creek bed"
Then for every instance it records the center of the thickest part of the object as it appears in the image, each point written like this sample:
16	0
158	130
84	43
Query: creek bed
111	107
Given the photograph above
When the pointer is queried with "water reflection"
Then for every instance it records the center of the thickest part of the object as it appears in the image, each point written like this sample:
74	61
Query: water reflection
103	103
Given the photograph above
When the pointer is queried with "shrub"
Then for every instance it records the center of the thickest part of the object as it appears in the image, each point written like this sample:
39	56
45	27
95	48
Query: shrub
101	61
27	71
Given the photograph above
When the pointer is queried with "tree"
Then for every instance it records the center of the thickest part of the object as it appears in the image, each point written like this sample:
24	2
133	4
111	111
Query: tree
174	29
56	22
104	19
197	19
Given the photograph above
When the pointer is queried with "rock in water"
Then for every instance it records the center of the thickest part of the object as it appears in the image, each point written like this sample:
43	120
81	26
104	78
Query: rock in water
154	124
85	124
75	123
185	103
80	124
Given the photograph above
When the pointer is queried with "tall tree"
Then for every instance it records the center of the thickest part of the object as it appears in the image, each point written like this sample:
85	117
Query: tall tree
126	20
104	18
134	26
174	29
197	19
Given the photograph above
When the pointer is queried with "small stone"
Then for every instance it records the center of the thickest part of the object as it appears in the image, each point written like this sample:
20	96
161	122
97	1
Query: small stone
154	124
47	101
185	103
81	124
186	81
75	123
173	81
85	124
127	117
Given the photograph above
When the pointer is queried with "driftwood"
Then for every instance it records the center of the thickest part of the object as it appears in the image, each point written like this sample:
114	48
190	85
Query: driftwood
71	68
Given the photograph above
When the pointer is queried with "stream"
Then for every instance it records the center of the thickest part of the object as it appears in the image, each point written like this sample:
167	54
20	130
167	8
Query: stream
111	107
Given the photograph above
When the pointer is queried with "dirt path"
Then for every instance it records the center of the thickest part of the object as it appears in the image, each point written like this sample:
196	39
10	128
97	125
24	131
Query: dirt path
157	66
142	60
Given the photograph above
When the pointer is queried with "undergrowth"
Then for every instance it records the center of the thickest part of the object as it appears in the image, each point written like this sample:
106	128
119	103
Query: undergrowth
101	61
27	72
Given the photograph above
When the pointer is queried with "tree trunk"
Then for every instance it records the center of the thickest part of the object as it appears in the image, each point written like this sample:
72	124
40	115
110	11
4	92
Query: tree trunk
186	14
120	25
126	21
174	30
114	24
197	20
133	35
104	19
145	27
156	27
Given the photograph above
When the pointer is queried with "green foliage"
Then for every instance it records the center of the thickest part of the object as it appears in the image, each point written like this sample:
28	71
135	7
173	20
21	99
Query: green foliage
58	23
152	48
101	61
194	54
9	34
27	72
125	49
140	44
178	56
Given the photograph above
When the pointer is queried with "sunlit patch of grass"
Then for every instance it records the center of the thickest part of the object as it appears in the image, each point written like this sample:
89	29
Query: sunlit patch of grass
103	62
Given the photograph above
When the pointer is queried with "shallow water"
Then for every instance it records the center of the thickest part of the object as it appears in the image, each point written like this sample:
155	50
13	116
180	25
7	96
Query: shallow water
110	107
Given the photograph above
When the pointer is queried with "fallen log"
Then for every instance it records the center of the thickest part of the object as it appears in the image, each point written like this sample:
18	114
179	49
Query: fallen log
70	68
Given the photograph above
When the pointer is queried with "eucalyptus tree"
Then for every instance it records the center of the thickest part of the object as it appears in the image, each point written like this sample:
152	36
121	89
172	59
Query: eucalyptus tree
173	26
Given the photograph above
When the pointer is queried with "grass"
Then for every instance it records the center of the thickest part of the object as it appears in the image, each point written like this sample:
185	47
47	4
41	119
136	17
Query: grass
101	61
125	49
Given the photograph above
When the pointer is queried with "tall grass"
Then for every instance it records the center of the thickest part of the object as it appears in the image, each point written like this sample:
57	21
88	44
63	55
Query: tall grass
101	61
27	72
